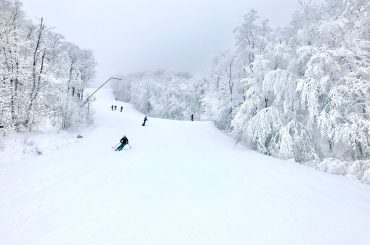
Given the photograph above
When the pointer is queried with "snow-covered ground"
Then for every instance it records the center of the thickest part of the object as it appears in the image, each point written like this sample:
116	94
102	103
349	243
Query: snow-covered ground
24	145
181	183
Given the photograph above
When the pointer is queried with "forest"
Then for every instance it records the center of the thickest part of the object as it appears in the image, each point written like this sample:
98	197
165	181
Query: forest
43	76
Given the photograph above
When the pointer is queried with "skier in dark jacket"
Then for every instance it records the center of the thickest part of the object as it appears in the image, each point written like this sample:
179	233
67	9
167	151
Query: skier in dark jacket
112	107
123	141
121	108
145	119
192	117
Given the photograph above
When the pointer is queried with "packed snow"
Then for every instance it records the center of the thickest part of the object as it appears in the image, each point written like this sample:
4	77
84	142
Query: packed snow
180	183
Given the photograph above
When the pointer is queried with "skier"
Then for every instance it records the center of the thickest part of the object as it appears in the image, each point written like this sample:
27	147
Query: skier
112	107
115	107
121	108
145	119
192	117
123	141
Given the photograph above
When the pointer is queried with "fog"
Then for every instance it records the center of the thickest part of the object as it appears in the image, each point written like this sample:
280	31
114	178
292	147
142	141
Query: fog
136	35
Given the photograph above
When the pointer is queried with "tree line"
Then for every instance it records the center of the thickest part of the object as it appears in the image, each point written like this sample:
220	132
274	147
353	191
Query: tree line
43	77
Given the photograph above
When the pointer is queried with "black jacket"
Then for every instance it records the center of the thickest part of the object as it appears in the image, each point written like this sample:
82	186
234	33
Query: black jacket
124	140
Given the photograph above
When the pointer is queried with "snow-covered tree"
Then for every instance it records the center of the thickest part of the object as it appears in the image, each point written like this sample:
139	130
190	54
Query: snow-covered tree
42	78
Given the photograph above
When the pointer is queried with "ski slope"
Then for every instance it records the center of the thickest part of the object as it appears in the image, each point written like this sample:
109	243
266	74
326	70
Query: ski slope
181	183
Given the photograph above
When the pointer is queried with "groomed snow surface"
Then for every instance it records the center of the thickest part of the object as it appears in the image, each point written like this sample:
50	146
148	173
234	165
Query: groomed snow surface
181	183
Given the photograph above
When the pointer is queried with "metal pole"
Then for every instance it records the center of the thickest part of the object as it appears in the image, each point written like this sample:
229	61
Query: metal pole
87	99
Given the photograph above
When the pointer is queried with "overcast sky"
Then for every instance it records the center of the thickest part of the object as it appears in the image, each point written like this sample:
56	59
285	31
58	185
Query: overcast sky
136	35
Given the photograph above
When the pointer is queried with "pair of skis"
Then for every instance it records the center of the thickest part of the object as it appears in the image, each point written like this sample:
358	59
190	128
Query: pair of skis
115	147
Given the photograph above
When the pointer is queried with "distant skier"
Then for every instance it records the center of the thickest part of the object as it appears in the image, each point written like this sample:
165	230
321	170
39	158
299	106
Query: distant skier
145	119
192	117
112	107
123	141
115	107
121	108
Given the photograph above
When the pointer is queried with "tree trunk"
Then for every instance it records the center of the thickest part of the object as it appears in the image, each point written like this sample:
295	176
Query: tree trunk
36	78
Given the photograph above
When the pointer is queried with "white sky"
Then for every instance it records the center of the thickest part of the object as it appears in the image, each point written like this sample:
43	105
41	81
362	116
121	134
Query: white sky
136	35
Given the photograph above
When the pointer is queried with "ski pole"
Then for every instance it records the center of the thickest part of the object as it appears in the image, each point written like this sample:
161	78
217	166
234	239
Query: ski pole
116	145
129	145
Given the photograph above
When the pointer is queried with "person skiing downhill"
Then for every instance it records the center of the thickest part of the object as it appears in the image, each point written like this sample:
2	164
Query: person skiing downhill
192	117
123	141
121	108
145	119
